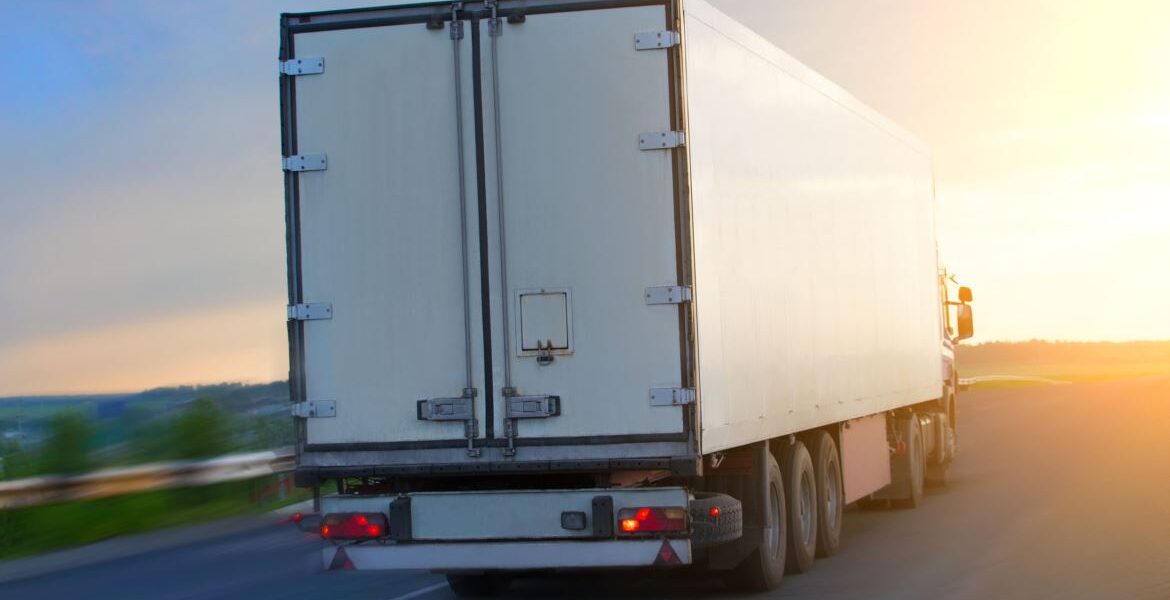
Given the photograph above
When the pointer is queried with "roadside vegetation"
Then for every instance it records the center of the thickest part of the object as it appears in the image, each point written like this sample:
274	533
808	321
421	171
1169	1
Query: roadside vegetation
73	444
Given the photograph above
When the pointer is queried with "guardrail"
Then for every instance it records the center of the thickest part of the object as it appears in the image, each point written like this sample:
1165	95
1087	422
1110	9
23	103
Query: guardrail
53	489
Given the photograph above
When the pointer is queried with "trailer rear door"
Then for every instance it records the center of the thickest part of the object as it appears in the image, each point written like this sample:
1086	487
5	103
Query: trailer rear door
482	233
381	235
589	224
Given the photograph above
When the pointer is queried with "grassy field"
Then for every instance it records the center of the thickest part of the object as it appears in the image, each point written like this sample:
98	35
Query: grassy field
1066	361
39	529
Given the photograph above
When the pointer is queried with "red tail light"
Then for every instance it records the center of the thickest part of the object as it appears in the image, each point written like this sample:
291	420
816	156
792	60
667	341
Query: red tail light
352	526
652	519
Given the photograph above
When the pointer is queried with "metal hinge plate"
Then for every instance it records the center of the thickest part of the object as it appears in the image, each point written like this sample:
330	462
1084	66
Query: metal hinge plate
656	40
318	409
532	407
668	396
303	162
668	294
303	66
660	140
445	409
314	311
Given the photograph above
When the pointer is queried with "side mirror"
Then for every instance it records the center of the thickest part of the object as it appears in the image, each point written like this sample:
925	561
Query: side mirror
965	294
966	321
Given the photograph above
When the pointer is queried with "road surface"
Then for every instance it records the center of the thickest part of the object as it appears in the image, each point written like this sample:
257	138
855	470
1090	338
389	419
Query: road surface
1060	492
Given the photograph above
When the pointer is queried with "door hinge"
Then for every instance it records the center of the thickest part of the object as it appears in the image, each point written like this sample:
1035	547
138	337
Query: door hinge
660	140
668	396
303	66
656	40
668	294
532	407
314	311
319	409
303	162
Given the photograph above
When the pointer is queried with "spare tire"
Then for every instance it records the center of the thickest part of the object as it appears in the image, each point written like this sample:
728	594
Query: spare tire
709	530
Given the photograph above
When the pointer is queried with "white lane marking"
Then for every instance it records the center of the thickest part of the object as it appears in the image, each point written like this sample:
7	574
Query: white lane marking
422	592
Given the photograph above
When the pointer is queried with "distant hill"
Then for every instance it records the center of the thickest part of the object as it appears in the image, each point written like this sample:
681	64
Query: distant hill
234	397
1071	361
24	416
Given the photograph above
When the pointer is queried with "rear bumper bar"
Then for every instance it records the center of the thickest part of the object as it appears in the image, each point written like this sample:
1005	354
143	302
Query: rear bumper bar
509	556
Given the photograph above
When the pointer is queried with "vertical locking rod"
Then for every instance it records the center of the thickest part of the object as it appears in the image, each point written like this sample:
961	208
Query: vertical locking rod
494	31
471	430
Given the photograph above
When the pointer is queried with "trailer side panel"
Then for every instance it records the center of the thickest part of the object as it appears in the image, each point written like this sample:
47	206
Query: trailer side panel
807	205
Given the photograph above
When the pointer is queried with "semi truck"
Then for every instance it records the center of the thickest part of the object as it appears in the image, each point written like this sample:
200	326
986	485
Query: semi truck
580	284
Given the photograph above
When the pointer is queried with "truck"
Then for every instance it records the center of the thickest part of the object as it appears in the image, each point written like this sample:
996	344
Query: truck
589	284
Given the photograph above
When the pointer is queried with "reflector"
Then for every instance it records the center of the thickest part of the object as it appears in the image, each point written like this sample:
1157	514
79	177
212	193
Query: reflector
666	555
341	561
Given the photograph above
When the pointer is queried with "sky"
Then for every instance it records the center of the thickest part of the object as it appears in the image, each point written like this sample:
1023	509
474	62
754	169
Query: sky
141	215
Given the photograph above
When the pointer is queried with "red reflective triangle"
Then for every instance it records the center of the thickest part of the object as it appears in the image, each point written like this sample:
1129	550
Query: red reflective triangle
341	561
666	555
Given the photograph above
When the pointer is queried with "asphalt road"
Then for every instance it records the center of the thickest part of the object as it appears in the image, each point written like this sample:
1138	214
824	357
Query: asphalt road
1059	492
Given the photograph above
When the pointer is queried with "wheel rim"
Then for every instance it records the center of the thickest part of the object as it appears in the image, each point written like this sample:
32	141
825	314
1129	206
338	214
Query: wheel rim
807	507
773	532
832	494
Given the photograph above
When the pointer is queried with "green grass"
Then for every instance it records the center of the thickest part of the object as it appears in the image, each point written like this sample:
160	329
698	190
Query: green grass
39	529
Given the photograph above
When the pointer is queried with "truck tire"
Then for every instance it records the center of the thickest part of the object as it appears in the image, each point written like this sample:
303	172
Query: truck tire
938	470
707	530
800	488
479	585
912	463
763	569
830	492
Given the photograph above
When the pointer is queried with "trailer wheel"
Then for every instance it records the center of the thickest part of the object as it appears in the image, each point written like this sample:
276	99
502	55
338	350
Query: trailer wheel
800	487
763	569
478	585
912	464
830	493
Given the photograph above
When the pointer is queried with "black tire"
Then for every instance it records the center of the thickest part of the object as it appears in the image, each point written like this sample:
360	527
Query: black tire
830	492
800	488
763	569
478	586
912	463
937	471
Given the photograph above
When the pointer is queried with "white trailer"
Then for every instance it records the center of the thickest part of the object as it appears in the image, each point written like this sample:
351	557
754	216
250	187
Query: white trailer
595	283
